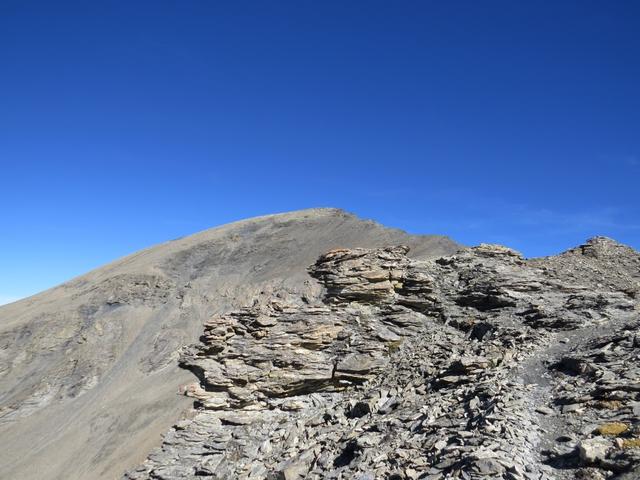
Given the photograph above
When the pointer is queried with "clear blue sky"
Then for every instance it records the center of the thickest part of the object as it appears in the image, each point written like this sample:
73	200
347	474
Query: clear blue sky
124	124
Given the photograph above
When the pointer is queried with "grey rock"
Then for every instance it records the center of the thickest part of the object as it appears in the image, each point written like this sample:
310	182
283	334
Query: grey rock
545	410
392	367
489	467
593	450
89	371
425	369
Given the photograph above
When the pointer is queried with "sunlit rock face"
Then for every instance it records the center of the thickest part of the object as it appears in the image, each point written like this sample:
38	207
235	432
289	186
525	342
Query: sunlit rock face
89	370
476	365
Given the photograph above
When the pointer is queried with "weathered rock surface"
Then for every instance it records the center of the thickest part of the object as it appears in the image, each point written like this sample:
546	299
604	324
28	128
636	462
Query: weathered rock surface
472	366
89	370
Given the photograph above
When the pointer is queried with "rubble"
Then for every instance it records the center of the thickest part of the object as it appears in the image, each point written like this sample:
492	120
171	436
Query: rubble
480	365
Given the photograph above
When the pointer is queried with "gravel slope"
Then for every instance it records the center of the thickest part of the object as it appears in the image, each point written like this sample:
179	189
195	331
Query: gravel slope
89	370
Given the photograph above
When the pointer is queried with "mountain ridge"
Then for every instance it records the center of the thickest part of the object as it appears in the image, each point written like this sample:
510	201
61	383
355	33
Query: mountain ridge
479	365
89	369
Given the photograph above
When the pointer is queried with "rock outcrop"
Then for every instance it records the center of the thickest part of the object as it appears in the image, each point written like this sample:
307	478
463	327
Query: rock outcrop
472	366
89	369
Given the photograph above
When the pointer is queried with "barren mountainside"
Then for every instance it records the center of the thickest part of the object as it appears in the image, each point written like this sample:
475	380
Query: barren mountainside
478	365
315	345
89	374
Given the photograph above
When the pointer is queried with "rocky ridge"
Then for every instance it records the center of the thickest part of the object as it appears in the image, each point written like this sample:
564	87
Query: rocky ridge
477	365
89	369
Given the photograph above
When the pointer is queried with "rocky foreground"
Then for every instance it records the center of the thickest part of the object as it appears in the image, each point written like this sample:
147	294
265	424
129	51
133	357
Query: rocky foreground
477	365
89	370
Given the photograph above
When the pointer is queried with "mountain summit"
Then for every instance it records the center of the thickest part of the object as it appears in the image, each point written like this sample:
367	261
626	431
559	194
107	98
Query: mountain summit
315	345
89	374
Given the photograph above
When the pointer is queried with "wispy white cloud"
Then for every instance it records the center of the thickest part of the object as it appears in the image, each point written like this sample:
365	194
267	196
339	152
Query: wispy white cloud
493	214
602	218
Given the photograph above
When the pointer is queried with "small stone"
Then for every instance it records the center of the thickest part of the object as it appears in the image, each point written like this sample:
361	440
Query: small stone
572	408
237	418
294	471
440	444
545	410
488	466
266	321
593	450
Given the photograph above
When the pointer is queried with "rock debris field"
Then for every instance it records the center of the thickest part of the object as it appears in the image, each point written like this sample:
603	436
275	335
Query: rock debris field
89	374
473	366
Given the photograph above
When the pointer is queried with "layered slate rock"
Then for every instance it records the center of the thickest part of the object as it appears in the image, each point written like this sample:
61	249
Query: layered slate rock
89	369
477	365
361	275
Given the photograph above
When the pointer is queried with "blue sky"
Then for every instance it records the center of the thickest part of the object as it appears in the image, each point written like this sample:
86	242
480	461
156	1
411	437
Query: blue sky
124	124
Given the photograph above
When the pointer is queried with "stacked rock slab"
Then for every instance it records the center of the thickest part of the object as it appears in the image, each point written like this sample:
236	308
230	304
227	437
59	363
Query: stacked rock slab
474	366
